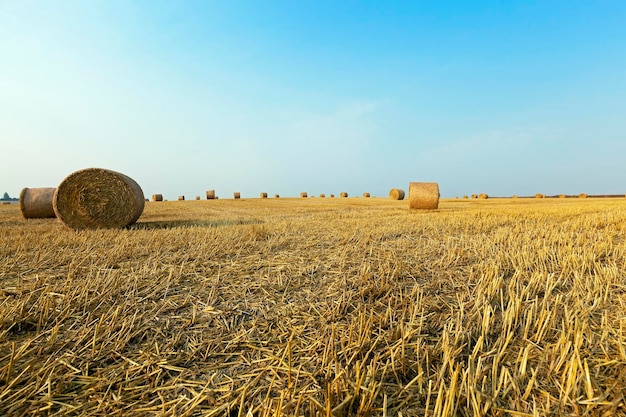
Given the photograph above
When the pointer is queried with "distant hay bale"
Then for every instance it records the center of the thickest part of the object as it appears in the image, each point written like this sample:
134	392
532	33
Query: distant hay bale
304	194
6	202
157	197
263	195
96	198
37	203
582	195
332	196
396	194
181	198
483	196
322	195
561	195
210	195
343	194
276	196
236	195
465	197
539	195
423	195
514	196
474	196
197	197
366	195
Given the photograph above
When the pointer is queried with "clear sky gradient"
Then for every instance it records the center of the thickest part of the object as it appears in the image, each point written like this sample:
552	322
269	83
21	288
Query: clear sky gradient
500	97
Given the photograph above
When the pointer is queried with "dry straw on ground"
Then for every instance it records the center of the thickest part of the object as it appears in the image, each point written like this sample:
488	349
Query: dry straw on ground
263	195
236	195
303	194
157	197
423	195
36	203
210	195
343	194
96	198
396	194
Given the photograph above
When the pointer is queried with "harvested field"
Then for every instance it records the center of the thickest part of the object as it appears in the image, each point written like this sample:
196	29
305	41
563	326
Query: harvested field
318	307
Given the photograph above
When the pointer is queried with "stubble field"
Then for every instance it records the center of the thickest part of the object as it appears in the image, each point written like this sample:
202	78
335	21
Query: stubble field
327	307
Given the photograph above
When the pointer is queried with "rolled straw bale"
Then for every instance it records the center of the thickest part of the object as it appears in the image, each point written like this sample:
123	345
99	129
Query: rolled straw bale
396	194
303	194
474	196
539	195
322	195
236	195
210	195
332	196
514	196
36	203
465	197
181	198
366	195
96	198
483	196
343	194
561	195
263	195
423	195
197	197
6	202
582	195
157	197
276	196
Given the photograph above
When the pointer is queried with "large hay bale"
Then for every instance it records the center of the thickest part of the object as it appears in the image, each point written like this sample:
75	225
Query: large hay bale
423	195
210	195
36	203
304	194
539	195
181	198
96	198
343	194
396	194
366	195
263	195
157	197
236	195
483	196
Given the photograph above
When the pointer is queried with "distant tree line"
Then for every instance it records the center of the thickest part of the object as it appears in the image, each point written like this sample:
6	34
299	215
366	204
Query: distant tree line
6	197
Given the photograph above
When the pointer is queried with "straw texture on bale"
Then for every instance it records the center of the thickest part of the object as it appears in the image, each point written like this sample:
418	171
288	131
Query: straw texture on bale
157	197
483	196
36	203
210	194
343	194
366	194
263	195
396	194
304	195
423	195
236	195
181	198
96	198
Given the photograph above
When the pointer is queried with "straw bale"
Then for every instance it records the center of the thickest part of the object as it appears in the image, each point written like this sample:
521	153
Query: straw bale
181	198
276	196
423	195
474	196
366	195
36	203
263	195
561	195
157	197
322	195
343	194
197	197
332	196
582	195
483	196
539	195
465	197
95	198
514	196
396	194
236	195
210	195
6	202
303	194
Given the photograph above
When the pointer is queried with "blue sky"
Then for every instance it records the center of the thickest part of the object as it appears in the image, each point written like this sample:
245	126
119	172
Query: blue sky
319	96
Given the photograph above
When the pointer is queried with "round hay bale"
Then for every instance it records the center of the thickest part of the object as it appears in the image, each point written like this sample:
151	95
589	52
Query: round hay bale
157	197
181	198
514	196
396	194
366	195
96	198
263	195
483	196
539	195
343	194
236	195
561	195
474	196
332	196
210	195
197	197
322	195
276	196
423	195
36	203
465	197
304	194
582	195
